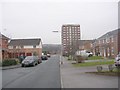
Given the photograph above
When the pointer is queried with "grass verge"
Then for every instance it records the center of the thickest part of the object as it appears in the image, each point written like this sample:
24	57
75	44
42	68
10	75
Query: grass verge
86	64
95	58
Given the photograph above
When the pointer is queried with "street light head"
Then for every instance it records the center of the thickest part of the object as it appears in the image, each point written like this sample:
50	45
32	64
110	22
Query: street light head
55	31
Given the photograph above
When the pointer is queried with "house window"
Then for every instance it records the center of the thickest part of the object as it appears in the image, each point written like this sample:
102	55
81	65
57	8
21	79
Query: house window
34	46
5	41
22	46
99	42
108	40
103	41
112	50
14	47
112	39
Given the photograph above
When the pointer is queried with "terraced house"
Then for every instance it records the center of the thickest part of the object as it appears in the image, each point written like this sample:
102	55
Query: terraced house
108	45
25	47
3	46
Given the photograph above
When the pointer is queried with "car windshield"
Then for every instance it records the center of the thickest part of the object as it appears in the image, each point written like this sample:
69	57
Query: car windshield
29	58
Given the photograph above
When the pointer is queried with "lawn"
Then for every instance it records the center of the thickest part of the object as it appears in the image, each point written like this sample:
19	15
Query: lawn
95	58
86	64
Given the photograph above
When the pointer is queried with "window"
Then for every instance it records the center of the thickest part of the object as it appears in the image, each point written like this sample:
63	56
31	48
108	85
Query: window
14	47
99	42
91	45
112	50
34	46
22	46
108	40
5	41
104	40
10	47
112	39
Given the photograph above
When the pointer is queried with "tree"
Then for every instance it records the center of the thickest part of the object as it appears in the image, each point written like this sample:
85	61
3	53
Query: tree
72	48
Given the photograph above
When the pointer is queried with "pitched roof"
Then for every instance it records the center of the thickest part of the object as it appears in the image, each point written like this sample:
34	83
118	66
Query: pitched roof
111	33
77	25
3	36
18	42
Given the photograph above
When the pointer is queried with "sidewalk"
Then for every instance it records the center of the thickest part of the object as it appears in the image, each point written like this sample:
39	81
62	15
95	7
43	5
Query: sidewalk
10	67
75	77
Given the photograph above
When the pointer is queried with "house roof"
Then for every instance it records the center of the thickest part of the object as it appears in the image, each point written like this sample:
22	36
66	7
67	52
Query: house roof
19	42
3	36
111	33
77	25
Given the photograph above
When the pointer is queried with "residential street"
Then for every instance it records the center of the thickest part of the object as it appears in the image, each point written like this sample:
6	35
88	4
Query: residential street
48	75
75	77
44	75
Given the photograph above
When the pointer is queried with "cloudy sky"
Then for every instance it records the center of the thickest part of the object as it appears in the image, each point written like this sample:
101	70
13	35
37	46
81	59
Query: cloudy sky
38	18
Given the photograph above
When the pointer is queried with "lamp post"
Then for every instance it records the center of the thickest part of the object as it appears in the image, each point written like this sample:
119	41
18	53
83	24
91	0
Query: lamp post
56	31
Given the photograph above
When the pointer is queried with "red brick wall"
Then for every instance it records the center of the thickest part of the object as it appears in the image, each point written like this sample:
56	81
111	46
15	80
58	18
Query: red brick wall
5	48
4	43
25	51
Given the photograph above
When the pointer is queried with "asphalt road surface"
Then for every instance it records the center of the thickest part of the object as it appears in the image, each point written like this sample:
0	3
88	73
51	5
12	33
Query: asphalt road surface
44	75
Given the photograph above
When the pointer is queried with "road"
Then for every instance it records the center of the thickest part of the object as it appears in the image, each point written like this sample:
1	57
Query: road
44	75
48	74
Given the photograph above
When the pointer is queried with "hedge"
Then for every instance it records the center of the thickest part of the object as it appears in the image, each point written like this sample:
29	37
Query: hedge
9	62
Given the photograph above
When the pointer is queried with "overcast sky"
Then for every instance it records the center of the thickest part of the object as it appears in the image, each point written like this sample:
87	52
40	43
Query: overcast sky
38	18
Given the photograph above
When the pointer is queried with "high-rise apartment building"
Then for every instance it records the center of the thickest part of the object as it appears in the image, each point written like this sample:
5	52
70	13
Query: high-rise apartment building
70	38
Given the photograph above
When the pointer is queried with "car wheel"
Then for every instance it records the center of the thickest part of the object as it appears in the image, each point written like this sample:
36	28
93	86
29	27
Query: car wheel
22	65
33	64
37	63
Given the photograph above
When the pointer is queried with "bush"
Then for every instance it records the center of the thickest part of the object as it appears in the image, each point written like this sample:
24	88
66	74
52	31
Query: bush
99	68
80	59
9	62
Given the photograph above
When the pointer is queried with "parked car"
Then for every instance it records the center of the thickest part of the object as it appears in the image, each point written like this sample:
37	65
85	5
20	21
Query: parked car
89	53
30	61
48	55
44	57
84	53
117	60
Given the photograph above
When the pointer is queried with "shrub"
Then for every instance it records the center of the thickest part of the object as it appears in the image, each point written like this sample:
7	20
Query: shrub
99	68
9	62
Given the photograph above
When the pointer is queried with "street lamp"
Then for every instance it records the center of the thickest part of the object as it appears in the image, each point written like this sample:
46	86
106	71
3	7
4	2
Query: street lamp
56	31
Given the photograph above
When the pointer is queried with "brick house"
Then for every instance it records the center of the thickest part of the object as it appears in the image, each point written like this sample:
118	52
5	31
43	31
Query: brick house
85	45
108	45
26	47
3	46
